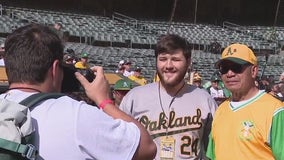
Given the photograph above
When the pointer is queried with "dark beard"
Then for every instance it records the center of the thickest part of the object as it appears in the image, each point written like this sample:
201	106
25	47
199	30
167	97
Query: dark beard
178	80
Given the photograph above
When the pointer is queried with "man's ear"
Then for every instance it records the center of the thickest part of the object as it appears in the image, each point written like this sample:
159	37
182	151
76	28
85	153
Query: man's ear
254	71
55	68
56	72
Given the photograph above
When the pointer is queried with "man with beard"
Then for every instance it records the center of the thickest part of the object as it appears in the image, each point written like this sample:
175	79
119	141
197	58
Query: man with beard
177	115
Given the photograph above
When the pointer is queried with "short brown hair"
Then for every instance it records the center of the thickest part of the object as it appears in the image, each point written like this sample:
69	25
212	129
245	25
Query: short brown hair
29	53
171	42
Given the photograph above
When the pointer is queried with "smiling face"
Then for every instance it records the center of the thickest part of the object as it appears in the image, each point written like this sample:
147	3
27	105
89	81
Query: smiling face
172	68
239	80
127	66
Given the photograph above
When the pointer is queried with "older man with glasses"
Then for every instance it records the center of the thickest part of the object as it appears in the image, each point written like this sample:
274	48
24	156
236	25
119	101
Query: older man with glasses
249	125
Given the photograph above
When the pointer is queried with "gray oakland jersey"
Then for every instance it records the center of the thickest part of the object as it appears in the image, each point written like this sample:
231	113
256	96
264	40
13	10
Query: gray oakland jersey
186	117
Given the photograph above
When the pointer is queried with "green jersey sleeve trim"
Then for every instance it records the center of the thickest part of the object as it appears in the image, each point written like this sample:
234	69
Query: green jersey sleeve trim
276	135
210	153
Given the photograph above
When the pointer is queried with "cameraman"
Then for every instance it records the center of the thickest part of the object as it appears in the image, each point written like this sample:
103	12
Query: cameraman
33	59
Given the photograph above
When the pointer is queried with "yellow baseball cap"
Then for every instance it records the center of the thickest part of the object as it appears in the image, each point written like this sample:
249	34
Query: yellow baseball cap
238	53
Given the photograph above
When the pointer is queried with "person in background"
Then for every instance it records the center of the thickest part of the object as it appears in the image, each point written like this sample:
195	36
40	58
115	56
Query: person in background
2	50
275	90
137	77
68	59
127	69
264	84
215	47
281	77
281	92
120	70
120	89
124	67
177	115
71	52
57	28
249	125
65	128
216	91
281	85
156	77
83	62
197	80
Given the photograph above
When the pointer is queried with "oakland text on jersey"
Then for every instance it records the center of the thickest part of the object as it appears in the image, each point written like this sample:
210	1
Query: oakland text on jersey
184	124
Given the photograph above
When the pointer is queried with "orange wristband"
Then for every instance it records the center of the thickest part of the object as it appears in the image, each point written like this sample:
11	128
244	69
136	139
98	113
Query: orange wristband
104	103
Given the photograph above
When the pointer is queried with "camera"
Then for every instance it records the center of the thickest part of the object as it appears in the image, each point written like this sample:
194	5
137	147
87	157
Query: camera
87	73
70	82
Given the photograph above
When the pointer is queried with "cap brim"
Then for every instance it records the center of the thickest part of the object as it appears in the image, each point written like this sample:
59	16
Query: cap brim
232	59
122	89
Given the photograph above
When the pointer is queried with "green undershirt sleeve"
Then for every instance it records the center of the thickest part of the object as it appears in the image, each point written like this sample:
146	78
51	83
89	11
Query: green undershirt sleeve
210	153
277	134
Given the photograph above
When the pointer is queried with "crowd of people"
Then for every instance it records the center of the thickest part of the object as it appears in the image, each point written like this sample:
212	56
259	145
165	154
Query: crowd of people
167	119
219	92
133	73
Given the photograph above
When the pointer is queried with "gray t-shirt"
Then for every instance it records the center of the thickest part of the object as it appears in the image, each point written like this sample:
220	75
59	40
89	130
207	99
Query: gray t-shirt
186	117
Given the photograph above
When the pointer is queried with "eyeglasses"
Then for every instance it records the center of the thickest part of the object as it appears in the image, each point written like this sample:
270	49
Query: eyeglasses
234	67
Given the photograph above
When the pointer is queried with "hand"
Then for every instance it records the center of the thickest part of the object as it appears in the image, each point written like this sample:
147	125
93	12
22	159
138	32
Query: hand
98	89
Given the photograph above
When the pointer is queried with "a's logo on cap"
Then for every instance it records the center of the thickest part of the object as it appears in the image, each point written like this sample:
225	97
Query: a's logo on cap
230	51
125	84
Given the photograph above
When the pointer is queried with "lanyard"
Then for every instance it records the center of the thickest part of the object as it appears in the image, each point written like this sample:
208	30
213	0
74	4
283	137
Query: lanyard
160	99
